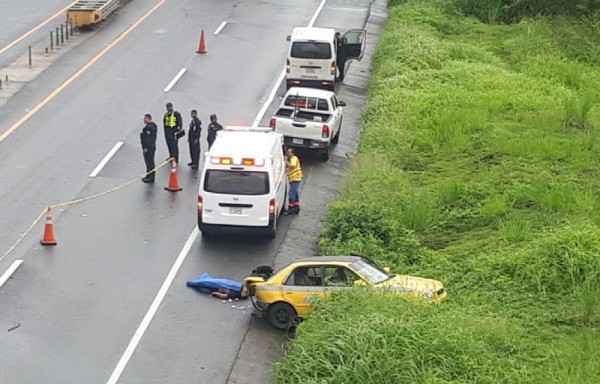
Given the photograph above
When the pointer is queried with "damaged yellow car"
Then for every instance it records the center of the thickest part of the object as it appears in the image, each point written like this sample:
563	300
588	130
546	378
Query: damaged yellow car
286	294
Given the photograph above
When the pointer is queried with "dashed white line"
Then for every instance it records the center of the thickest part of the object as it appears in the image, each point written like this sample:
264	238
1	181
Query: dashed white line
162	292
220	28
139	333
106	159
13	267
273	92
175	79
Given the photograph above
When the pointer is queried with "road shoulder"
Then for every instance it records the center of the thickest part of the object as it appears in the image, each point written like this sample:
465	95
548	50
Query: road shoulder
262	347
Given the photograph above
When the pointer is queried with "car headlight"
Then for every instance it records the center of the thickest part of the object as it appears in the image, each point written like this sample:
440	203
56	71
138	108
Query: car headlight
427	295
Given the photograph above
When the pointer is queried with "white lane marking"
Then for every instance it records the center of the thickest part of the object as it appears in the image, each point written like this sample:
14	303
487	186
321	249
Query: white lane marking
162	292
269	100
106	159
317	12
139	333
216	32
175	79
13	267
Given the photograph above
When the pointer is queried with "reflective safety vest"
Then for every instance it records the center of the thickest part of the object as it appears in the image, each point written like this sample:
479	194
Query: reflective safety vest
170	120
296	173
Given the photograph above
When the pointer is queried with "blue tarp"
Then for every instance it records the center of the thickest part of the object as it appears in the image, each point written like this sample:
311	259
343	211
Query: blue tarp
208	282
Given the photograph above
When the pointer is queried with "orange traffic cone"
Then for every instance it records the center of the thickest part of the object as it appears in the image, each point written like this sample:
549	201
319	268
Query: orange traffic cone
48	238
202	45
173	179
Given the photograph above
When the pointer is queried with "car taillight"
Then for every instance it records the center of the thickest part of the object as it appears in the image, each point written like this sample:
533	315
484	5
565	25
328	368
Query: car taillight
325	132
287	66
272	209
200	204
273	123
333	67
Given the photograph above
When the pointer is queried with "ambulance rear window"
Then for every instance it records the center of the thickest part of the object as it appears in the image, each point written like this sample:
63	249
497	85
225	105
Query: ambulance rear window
311	50
236	182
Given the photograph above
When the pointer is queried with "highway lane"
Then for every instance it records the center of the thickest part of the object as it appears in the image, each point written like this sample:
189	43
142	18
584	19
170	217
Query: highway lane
18	18
79	304
83	300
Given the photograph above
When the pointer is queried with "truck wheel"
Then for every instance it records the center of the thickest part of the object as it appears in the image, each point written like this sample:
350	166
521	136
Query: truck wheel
336	138
326	153
281	315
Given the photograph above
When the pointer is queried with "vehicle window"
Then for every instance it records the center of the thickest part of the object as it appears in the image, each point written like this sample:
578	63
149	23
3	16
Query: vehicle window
303	102
369	271
305	276
353	37
311	50
339	277
236	182
322	105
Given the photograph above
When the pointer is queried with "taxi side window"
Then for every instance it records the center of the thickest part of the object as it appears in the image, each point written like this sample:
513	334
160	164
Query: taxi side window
305	276
339	277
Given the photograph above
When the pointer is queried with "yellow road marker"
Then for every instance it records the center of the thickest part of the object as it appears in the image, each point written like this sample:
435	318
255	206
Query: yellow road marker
81	71
40	25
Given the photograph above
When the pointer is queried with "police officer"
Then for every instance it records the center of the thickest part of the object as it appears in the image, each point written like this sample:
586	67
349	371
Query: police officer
194	139
173	124
148	140
294	174
341	56
213	128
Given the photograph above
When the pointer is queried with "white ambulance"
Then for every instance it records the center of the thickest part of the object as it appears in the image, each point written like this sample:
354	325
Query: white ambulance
244	182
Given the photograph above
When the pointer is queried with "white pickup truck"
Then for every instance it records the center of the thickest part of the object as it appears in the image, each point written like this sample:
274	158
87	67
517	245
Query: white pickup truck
309	118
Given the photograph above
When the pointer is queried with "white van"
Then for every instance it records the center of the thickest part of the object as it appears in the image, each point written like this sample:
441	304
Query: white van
244	182
312	57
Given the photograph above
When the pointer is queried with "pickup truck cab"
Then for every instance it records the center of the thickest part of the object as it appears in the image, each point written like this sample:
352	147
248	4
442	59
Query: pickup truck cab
309	118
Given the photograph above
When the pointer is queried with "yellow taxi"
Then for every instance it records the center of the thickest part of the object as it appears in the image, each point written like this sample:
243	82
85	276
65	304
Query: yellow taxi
286	295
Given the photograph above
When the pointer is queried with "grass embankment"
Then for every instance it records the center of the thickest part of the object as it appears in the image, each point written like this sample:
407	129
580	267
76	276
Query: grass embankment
479	166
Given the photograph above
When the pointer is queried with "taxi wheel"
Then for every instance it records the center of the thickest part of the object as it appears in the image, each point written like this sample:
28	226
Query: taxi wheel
282	316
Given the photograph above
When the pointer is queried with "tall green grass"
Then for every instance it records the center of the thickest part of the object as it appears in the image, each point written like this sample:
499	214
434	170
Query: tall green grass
479	166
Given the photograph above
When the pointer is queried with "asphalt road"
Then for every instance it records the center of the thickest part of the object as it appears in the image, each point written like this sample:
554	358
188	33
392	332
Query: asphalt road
18	18
77	306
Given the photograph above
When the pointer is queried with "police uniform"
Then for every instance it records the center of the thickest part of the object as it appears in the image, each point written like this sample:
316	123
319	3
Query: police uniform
148	140
172	121
194	141
213	128
295	176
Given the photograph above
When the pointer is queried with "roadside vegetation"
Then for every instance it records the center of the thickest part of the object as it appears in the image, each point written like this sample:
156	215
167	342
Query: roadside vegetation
479	166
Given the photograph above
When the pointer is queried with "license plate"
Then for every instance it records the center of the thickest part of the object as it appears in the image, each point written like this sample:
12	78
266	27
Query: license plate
310	71
235	210
298	141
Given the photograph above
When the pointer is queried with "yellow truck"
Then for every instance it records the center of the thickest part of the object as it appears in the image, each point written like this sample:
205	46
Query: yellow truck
88	12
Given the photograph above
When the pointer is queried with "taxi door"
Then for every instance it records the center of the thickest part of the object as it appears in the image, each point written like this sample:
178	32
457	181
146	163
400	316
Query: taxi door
302	286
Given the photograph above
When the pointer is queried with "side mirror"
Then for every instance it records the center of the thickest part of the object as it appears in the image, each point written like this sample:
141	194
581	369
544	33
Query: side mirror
288	38
341	103
280	97
386	270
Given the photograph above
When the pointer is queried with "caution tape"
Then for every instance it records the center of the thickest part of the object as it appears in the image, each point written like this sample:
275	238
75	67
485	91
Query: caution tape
76	201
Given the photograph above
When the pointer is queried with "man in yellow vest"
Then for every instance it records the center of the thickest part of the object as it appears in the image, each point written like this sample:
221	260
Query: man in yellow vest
173	124
294	174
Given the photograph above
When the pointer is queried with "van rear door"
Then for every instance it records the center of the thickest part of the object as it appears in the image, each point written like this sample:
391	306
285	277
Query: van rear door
236	197
311	60
354	42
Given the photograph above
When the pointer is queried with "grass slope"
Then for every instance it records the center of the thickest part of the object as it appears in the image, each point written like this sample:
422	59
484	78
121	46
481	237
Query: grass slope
479	166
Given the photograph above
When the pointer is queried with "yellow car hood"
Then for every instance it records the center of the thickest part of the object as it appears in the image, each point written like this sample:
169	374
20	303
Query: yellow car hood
411	284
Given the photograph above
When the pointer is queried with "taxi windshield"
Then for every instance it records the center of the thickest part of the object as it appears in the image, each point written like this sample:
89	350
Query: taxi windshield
370	272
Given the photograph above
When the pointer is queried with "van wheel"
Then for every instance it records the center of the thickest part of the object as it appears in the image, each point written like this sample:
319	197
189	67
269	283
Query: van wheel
326	153
281	316
273	229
